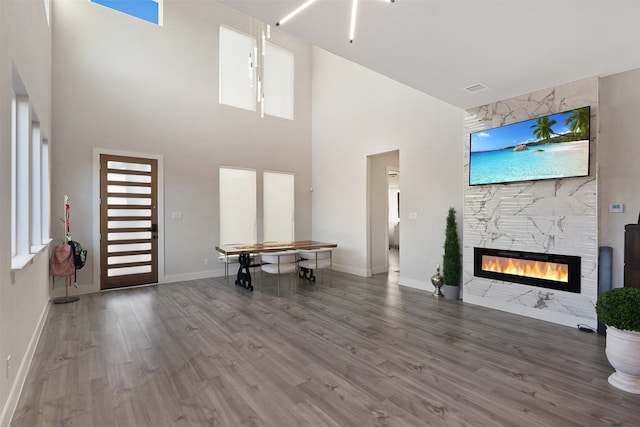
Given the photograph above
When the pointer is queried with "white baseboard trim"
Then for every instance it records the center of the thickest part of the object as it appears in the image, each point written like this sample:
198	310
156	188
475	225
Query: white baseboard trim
352	270
379	270
21	377
416	284
183	277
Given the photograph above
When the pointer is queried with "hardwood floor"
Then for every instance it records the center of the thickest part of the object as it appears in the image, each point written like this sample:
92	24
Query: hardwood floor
364	352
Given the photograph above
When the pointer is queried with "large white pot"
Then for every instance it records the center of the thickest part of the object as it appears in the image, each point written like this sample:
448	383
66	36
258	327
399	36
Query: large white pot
623	352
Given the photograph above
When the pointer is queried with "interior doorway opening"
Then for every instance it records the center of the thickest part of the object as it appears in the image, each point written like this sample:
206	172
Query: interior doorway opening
383	212
393	188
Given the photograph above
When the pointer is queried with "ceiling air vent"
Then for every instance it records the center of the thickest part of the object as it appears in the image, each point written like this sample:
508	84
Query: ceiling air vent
476	88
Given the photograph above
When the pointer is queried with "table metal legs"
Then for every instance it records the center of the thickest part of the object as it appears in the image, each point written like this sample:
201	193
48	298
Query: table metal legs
243	277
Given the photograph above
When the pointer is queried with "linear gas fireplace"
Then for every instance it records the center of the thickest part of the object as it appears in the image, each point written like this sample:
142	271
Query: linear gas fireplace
551	271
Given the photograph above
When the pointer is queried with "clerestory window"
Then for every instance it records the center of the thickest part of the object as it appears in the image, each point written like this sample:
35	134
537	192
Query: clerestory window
148	10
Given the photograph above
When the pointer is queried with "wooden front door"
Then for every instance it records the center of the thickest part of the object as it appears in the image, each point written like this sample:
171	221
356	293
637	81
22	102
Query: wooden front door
128	221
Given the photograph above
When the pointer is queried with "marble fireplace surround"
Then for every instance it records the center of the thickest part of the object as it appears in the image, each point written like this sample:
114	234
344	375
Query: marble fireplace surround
551	216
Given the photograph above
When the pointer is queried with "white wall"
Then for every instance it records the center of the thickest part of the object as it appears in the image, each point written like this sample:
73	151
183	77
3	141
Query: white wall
25	43
618	155
357	113
124	84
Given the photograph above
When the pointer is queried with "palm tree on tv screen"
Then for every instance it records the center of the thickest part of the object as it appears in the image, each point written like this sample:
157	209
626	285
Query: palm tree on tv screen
542	128
578	122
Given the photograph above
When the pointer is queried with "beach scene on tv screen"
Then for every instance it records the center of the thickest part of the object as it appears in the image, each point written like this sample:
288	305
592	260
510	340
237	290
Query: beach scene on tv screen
553	146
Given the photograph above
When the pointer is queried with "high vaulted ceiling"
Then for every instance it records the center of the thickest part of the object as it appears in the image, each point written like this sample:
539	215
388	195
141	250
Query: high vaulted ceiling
441	47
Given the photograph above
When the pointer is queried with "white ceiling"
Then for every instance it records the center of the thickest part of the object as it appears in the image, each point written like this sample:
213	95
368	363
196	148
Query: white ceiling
442	46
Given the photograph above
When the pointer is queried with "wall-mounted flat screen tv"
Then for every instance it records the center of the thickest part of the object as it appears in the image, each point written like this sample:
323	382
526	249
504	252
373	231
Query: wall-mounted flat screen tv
548	147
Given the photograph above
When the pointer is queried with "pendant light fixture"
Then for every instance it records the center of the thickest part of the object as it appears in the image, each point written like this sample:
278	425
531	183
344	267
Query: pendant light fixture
352	25
256	62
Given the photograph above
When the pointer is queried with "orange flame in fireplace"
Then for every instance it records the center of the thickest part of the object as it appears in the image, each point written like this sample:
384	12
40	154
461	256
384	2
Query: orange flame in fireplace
521	267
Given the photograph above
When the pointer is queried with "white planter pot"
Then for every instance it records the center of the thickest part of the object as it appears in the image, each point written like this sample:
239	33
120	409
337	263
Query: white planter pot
623	352
451	292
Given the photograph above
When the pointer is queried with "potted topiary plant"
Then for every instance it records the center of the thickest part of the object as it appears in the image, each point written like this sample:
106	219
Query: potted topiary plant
451	263
619	309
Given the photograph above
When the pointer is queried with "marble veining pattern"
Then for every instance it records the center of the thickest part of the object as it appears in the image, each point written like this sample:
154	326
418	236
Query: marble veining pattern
551	216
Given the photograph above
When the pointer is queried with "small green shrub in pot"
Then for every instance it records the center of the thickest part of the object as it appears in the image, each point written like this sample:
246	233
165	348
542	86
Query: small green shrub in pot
620	308
451	263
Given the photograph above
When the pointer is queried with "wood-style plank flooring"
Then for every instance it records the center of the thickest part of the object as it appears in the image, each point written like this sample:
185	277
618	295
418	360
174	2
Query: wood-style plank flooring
364	352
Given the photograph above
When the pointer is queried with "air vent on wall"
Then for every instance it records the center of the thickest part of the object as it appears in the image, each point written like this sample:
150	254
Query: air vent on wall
476	88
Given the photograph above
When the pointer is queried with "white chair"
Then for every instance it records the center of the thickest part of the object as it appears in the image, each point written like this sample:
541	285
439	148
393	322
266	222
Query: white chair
315	259
278	263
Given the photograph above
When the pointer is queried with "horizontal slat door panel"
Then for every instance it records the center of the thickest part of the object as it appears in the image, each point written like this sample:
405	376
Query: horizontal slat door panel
128	213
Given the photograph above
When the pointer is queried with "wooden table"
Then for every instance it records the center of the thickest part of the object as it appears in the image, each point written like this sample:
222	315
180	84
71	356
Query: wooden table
244	252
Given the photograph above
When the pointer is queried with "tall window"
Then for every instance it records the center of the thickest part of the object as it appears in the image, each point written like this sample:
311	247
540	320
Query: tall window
278	81
36	187
238	79
20	184
45	187
14	175
278	219
238	216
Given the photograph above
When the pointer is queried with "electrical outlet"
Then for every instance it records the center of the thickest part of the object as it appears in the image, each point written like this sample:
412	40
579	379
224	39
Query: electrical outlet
206	261
8	365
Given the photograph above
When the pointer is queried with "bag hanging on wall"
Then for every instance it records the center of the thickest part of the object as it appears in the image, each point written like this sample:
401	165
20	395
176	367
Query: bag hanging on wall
79	258
79	254
61	262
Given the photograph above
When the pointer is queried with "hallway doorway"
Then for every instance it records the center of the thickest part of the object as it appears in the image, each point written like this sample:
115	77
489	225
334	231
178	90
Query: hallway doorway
383	232
393	207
